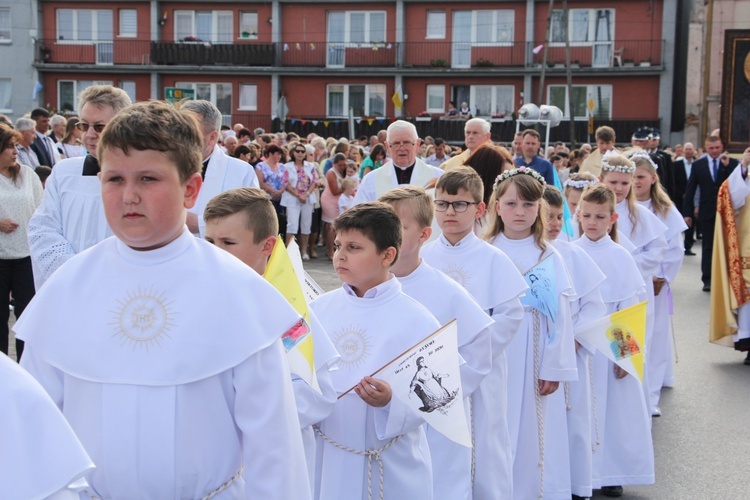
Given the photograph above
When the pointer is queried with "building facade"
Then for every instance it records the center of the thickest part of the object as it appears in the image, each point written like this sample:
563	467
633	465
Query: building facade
18	77
333	60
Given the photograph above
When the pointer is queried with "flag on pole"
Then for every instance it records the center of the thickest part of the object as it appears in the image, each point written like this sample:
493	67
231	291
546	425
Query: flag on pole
621	337
427	379
298	341
398	98
538	49
567	216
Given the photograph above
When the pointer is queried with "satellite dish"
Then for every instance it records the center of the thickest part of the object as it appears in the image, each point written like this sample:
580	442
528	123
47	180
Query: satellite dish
528	112
551	113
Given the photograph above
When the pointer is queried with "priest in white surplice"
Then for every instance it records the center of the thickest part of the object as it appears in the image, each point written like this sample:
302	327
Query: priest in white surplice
220	172
404	168
169	401
70	218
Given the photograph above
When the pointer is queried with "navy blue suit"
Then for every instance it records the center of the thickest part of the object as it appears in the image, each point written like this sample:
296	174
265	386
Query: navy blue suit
540	165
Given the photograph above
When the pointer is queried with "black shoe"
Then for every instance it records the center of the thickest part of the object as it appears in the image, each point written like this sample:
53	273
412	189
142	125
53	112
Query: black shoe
612	491
706	288
689	252
698	236
576	497
747	360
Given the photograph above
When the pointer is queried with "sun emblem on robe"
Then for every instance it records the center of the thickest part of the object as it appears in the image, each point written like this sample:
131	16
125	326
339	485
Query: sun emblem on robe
353	346
457	274
143	318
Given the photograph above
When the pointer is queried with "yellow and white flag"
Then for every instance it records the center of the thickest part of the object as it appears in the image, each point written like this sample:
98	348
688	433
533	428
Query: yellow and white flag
298	341
398	98
621	337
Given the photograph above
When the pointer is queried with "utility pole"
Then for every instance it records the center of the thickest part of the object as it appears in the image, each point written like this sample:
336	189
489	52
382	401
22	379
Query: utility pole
540	94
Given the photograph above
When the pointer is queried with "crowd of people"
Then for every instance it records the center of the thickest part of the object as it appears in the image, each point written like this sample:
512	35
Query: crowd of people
154	362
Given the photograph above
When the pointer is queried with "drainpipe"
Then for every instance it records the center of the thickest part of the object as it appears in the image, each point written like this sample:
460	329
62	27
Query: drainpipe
707	69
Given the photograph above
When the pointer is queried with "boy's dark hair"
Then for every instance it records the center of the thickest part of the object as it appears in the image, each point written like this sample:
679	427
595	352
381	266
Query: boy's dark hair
245	133
553	196
40	112
462	178
378	221
605	133
241	150
555	157
259	212
43	171
156	126
439	142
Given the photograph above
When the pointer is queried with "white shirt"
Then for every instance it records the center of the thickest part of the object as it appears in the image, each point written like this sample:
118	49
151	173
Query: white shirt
18	201
369	188
170	402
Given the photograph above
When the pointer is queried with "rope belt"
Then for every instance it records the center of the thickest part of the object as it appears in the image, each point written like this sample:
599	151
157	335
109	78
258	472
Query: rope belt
594	446
225	485
473	446
370	454
539	407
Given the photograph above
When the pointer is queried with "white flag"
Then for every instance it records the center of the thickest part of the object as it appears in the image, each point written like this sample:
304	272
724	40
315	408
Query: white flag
427	379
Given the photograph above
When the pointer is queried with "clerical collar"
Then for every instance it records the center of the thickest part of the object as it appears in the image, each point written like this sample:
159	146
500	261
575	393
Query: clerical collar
205	167
403	175
90	165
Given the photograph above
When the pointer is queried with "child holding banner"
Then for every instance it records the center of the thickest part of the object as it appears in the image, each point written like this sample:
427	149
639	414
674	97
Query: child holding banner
542	355
493	281
587	305
372	445
243	222
622	457
447	300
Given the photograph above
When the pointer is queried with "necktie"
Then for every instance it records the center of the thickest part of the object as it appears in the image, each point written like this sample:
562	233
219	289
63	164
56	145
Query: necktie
48	144
716	168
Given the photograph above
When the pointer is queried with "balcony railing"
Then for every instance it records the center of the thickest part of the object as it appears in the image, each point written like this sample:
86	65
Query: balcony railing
408	55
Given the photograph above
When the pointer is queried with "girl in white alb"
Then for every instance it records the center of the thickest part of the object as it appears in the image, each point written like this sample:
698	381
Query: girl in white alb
542	355
650	194
623	449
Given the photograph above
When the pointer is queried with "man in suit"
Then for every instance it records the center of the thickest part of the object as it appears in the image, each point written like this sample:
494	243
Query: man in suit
682	169
707	174
43	145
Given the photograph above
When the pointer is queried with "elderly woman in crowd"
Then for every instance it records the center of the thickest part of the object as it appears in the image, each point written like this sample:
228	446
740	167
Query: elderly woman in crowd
20	195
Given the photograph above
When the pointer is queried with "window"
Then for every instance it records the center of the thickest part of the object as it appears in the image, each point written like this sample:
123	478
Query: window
248	96
365	100
128	23
586	26
491	100
4	24
220	94
129	87
488	27
356	26
68	90
84	25
5	95
557	95
215	26
436	98
435	24
249	25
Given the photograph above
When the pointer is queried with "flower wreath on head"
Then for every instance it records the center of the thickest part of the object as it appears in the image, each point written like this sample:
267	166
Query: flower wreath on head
579	184
520	170
610	168
641	153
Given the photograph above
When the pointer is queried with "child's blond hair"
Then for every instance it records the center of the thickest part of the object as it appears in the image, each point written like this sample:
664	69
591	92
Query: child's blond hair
260	215
348	182
529	189
419	203
600	194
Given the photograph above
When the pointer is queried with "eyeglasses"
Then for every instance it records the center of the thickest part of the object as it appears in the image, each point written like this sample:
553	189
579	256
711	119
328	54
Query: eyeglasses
300	151
401	144
458	206
84	127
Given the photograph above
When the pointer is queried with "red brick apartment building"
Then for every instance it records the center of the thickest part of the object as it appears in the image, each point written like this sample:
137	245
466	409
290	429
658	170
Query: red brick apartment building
327	57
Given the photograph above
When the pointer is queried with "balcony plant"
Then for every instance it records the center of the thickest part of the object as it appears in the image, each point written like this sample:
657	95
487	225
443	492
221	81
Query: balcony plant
191	38
424	116
438	63
484	63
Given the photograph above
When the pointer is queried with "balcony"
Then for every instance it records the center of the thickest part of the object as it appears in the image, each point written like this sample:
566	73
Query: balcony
630	55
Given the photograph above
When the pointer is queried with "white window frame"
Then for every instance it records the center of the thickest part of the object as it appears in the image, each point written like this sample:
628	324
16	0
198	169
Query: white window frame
441	109
493	98
94	27
368	89
435	36
240	30
591	29
476	15
214	24
590	91
367	13
131	84
253	107
78	87
214	93
10	93
122	32
4	40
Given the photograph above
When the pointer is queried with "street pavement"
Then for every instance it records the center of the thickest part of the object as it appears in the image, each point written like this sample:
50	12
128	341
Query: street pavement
702	451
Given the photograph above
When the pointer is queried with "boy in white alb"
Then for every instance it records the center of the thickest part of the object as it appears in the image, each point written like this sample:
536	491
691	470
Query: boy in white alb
40	456
243	222
495	283
169	401
372	445
446	300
